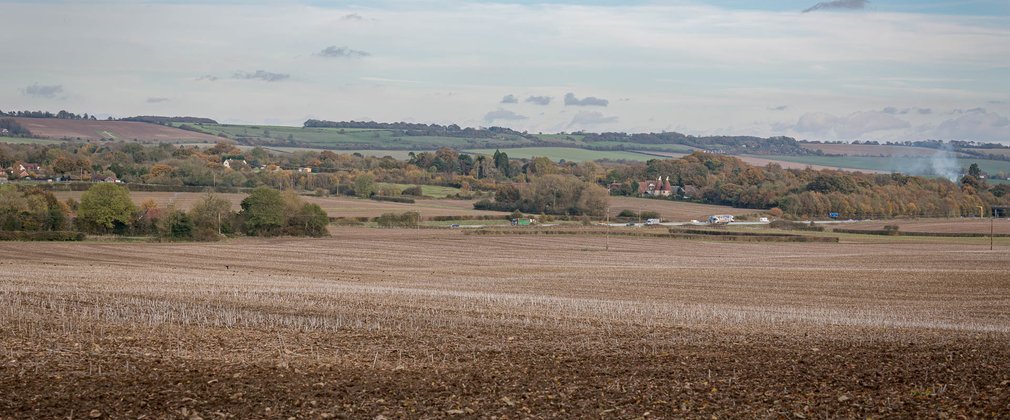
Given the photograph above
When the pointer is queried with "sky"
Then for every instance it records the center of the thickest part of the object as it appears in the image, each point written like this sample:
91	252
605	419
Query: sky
832	70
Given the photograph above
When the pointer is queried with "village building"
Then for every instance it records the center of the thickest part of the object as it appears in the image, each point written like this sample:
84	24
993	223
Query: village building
229	163
657	188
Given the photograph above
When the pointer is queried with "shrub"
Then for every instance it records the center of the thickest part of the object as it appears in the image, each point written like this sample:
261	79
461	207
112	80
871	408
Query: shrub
408	219
891	229
393	199
414	191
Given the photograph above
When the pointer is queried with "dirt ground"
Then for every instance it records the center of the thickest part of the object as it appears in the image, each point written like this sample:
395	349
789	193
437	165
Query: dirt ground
433	323
119	130
952	225
676	211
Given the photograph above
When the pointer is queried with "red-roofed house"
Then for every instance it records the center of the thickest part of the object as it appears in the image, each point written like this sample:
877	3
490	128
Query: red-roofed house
657	188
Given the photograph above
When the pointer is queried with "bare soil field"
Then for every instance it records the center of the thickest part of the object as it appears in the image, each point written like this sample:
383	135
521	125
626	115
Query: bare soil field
677	211
756	161
964	225
433	323
118	130
871	150
334	206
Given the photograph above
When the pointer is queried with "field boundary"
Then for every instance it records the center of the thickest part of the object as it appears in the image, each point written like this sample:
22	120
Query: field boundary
672	234
927	234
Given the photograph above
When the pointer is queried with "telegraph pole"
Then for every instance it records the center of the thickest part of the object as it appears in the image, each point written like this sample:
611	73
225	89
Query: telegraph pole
608	228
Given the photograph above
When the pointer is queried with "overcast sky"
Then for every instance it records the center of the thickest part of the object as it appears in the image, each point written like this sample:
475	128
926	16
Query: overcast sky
835	70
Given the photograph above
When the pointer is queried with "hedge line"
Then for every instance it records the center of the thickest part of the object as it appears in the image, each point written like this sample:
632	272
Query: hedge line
407	200
928	234
721	236
20	235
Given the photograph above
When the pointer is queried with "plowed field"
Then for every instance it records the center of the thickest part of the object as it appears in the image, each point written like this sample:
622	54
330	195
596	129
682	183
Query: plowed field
434	323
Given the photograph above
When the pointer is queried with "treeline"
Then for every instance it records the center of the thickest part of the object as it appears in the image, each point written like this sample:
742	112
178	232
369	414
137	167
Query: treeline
154	119
550	194
420	129
13	128
809	193
722	144
62	115
108	209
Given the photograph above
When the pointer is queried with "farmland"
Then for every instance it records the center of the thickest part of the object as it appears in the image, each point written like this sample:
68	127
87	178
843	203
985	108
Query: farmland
871	150
405	323
678	211
116	130
967	225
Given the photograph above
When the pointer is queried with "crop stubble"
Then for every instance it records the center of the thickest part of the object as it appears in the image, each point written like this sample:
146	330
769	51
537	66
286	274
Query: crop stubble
435	323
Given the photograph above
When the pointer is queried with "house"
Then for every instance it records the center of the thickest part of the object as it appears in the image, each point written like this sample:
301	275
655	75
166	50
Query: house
229	162
306	170
657	188
689	191
4	132
103	178
27	167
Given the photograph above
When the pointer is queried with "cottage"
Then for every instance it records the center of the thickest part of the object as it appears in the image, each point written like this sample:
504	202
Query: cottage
657	188
231	163
306	170
689	191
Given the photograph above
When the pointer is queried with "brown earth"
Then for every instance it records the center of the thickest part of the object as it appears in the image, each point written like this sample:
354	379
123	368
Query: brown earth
677	211
963	225
433	323
119	130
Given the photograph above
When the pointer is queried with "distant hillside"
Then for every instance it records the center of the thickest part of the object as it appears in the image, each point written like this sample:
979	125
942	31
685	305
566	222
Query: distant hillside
73	129
168	120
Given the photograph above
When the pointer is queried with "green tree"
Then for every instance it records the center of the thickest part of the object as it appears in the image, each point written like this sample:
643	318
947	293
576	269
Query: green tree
310	220
211	217
364	185
176	225
263	212
105	208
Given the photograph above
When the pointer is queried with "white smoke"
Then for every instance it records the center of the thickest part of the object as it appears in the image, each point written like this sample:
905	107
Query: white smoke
942	163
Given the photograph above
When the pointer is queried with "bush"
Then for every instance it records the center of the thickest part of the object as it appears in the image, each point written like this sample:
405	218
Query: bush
408	219
310	220
407	200
414	191
176	225
891	229
627	213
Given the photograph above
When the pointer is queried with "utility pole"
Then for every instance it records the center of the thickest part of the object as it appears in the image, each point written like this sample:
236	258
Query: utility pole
608	228
991	221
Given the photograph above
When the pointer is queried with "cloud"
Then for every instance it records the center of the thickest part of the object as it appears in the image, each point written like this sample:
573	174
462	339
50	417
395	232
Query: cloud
503	115
848	127
157	100
571	100
837	4
585	118
342	52
510	99
353	16
43	91
778	108
904	111
975	124
265	76
539	100
208	77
